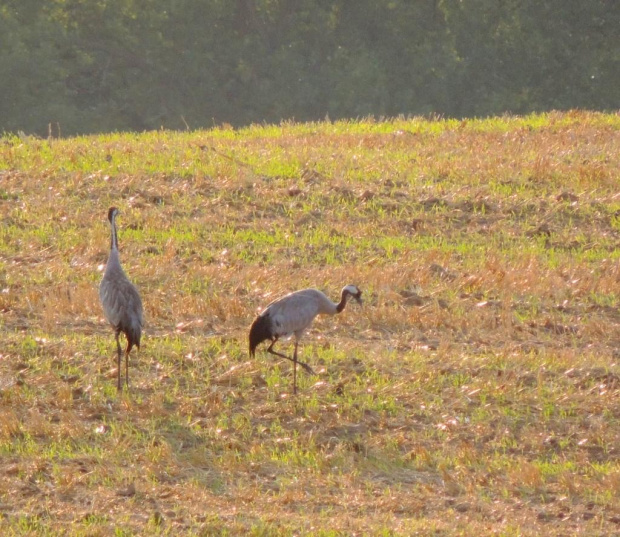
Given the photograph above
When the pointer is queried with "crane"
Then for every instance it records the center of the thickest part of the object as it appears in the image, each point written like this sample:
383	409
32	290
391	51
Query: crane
292	314
121	301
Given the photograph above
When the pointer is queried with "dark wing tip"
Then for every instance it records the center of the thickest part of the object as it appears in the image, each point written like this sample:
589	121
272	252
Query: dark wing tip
259	332
133	335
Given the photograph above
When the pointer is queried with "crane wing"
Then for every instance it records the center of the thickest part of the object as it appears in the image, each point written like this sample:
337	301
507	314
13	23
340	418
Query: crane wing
293	313
121	302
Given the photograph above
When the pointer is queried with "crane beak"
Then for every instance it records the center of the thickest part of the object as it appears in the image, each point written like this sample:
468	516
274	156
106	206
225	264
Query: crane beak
359	299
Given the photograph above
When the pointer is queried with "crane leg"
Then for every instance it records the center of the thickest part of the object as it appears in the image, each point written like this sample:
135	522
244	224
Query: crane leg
295	369
302	364
119	352
127	367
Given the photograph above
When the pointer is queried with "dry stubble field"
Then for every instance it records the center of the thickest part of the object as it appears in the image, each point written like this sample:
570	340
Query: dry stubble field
477	392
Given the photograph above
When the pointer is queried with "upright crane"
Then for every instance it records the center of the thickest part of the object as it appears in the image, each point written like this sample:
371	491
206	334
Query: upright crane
121	301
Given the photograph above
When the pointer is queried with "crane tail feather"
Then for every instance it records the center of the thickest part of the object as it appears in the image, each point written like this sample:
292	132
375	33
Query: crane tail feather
259	332
133	335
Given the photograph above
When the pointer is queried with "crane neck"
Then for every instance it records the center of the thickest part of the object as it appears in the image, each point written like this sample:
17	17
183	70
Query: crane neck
343	302
113	236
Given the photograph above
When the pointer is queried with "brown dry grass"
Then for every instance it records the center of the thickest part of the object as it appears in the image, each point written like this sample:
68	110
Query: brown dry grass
476	392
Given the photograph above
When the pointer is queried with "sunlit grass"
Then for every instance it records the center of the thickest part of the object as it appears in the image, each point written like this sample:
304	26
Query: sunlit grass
476	392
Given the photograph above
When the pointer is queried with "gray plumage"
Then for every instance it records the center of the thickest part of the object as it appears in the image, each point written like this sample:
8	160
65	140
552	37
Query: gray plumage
293	314
121	301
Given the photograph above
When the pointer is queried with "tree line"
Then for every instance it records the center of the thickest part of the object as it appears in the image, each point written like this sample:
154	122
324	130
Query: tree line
87	66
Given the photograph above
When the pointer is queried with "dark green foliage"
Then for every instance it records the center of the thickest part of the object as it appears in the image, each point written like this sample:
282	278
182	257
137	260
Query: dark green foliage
91	66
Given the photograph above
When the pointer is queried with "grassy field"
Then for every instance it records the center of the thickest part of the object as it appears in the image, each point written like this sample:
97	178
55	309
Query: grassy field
477	392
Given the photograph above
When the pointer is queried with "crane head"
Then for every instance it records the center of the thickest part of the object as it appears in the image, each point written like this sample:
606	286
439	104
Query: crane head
112	213
353	291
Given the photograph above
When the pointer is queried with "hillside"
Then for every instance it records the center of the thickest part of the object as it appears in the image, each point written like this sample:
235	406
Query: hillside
476	392
80	67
